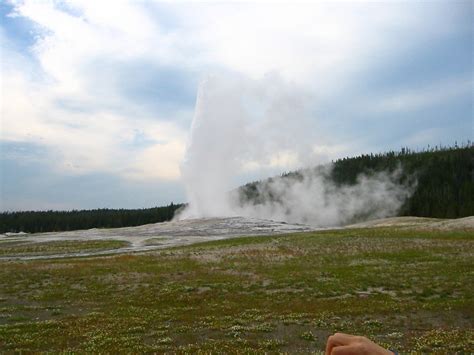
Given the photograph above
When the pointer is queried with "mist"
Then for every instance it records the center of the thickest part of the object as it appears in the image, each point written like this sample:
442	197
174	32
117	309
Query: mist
311	197
243	125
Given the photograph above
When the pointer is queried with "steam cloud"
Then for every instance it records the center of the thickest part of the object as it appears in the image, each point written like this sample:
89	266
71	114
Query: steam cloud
242	124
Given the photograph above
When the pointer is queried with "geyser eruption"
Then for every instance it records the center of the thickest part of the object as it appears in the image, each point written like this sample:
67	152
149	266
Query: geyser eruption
242	125
214	148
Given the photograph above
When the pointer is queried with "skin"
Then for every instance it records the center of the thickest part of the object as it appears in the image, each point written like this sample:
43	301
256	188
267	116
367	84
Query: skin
346	344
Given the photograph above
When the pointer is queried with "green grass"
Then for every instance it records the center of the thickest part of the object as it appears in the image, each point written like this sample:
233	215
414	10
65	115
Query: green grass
409	290
26	248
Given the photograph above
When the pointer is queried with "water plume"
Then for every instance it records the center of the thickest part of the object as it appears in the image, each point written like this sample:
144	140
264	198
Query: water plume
241	124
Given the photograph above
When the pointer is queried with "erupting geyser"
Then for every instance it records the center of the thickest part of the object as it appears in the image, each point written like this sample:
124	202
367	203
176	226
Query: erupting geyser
241	124
214	148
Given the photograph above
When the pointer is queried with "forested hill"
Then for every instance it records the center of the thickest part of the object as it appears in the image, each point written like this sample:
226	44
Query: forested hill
445	179
444	189
49	221
444	176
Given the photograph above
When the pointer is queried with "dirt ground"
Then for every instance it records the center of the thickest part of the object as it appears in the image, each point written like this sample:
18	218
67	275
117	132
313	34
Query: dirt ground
420	223
23	246
148	237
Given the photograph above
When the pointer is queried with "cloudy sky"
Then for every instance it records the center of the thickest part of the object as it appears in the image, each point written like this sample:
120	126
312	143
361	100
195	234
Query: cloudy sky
97	97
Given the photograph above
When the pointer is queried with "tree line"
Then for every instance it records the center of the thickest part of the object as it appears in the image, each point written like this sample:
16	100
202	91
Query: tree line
51	221
442	178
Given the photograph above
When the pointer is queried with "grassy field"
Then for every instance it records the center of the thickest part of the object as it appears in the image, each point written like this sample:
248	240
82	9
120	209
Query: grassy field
408	290
25	248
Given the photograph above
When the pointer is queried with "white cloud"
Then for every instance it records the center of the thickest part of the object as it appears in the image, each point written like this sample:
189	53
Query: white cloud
429	95
317	45
301	42
93	139
87	142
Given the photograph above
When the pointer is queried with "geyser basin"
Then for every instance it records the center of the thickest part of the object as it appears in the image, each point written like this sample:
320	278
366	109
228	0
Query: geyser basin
143	238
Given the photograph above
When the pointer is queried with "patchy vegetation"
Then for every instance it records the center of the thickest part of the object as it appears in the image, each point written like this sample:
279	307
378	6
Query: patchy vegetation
27	248
408	290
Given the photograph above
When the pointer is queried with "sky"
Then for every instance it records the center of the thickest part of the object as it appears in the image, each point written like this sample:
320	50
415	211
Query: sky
97	98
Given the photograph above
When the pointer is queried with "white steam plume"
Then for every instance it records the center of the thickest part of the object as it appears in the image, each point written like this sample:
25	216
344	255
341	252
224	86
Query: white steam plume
311	197
241	124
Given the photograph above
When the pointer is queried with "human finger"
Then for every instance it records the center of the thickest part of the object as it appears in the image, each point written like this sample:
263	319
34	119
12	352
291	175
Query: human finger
345	350
338	339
